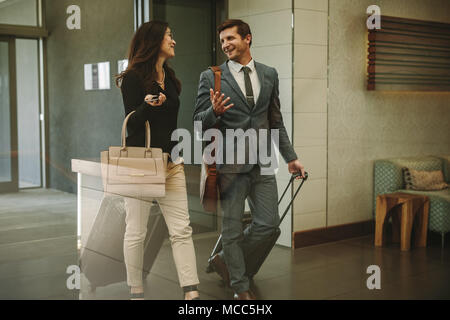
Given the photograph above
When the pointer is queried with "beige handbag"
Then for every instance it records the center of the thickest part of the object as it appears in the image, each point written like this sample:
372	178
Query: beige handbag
135	172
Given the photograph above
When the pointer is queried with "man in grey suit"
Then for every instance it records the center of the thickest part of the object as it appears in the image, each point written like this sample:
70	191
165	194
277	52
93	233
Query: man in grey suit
248	100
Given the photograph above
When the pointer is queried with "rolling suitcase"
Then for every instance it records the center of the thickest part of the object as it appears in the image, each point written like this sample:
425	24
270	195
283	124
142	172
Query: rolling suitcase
102	259
256	258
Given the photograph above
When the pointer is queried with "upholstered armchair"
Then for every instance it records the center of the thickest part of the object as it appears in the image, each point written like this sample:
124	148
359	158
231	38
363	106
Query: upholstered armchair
388	177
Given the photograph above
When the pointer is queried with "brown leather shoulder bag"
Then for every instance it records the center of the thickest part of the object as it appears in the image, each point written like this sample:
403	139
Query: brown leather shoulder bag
208	180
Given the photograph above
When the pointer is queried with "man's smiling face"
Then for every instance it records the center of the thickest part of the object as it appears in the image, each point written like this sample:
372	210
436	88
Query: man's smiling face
233	45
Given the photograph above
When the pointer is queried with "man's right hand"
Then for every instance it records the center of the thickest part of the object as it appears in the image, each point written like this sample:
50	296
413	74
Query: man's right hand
218	103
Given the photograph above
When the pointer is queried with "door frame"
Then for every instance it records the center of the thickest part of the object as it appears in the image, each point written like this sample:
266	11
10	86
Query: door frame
40	33
13	185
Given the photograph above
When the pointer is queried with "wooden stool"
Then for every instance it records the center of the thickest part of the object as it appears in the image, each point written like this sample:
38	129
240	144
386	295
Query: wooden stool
404	209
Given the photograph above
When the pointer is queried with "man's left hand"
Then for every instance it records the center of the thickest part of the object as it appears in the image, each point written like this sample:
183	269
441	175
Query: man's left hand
295	166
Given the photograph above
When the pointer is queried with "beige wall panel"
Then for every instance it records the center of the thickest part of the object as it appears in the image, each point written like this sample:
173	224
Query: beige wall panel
264	6
308	221
285	88
321	5
310	61
237	9
287	120
314	159
310	95
278	57
313	196
310	129
311	27
271	28
244	8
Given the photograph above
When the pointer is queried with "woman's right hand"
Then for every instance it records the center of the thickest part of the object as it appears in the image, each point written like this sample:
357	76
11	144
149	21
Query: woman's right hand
161	99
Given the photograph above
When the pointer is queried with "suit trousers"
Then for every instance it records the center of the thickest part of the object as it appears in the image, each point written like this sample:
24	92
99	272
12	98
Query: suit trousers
262	195
174	207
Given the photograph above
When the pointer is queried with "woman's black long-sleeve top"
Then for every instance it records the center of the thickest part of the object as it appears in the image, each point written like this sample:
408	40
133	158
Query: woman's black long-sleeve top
162	119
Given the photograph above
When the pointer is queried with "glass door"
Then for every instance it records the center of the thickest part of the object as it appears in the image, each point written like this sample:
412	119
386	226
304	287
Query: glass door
28	113
8	117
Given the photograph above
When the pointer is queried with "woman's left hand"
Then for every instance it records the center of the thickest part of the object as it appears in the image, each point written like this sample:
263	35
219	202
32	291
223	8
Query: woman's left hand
161	99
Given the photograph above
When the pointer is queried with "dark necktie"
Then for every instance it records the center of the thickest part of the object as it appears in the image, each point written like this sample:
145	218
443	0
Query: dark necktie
248	87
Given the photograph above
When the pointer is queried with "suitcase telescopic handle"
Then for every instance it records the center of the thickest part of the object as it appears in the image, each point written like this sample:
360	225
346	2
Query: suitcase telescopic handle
218	245
291	181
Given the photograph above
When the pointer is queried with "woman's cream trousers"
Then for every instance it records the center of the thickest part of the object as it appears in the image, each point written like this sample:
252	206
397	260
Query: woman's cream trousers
174	207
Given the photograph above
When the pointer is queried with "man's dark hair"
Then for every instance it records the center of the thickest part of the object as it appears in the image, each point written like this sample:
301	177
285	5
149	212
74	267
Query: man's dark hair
243	28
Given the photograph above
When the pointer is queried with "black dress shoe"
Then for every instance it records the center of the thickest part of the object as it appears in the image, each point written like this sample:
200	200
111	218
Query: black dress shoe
221	268
187	289
137	296
246	295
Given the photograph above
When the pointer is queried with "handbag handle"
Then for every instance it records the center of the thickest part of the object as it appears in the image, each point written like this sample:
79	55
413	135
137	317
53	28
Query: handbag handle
147	132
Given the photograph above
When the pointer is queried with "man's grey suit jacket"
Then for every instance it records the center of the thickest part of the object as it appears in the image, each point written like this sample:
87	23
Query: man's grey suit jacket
266	113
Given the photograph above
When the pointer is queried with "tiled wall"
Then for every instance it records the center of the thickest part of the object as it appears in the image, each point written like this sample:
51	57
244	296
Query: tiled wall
271	26
310	110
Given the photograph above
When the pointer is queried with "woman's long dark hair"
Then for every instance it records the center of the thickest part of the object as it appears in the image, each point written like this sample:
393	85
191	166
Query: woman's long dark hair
143	54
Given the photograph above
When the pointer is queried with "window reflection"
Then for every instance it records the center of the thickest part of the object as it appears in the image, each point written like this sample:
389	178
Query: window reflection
19	12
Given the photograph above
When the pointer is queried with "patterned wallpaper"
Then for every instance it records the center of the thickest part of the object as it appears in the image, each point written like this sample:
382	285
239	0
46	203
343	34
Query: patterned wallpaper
364	126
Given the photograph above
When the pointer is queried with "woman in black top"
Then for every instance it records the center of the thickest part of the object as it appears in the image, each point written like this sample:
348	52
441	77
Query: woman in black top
150	88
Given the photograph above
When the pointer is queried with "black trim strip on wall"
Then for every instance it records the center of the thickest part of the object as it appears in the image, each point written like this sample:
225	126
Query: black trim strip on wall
334	233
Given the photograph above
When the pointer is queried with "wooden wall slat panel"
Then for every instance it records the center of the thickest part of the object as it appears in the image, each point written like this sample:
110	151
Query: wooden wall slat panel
409	39
395	49
410	58
408	54
419	29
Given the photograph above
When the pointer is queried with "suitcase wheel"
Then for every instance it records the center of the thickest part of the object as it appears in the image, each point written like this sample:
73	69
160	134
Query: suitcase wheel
209	268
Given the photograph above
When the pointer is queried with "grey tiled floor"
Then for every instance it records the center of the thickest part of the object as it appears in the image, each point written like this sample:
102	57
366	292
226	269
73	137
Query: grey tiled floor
38	243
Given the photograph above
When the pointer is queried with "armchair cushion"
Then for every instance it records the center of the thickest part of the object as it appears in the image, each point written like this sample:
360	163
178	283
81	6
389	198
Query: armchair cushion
423	180
446	166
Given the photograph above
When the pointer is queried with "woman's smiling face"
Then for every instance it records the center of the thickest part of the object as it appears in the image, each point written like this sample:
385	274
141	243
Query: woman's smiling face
168	45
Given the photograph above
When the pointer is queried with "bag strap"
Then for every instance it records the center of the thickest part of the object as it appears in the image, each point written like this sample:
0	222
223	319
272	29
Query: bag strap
217	75
147	131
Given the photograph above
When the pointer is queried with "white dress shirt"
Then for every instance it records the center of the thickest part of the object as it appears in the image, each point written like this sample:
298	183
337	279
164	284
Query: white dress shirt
238	74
